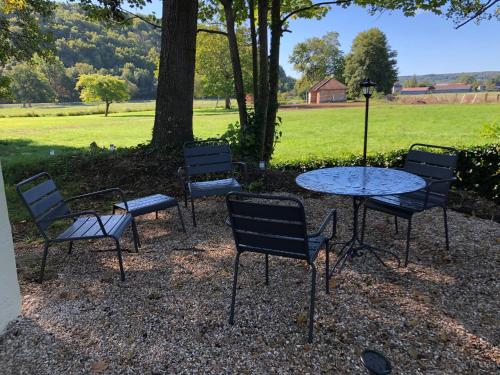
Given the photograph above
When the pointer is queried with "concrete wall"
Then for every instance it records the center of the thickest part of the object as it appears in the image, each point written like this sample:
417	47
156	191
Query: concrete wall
10	297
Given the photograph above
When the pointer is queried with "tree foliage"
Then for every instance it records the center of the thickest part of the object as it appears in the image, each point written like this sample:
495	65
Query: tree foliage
319	58
21	35
29	84
213	63
97	87
370	56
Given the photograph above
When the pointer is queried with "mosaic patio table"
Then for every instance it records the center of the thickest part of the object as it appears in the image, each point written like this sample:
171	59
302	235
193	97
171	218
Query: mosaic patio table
359	183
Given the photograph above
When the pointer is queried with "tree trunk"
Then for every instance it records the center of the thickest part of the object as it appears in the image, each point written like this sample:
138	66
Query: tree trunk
106	109
255	59
263	99
227	102
174	100
239	88
274	62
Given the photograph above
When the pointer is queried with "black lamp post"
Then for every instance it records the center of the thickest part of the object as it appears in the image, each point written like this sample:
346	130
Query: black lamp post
367	86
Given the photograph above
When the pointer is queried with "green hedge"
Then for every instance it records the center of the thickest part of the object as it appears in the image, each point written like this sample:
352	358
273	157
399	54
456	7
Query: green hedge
141	170
478	167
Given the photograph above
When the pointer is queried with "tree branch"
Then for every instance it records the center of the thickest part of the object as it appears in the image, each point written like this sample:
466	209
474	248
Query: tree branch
300	10
142	18
211	31
483	9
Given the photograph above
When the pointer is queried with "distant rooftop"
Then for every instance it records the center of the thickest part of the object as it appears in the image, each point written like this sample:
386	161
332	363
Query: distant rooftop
425	88
328	84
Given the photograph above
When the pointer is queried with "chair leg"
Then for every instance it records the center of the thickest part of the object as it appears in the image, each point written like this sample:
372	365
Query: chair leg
44	261
180	216
408	232
396	224
327	267
193	213
267	269
185	197
311	308
363	224
70	248
135	234
235	281
120	260
445	216
156	214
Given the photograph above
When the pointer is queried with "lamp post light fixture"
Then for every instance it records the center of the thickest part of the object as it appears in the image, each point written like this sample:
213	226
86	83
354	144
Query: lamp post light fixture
367	87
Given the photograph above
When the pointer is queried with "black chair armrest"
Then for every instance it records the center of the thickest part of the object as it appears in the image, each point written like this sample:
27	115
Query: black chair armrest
430	184
75	215
244	167
101	192
332	215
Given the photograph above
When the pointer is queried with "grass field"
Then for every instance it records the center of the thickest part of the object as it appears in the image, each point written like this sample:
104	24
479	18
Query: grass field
77	109
307	133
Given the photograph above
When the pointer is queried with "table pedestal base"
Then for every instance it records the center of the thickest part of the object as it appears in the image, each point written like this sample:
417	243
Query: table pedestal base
355	247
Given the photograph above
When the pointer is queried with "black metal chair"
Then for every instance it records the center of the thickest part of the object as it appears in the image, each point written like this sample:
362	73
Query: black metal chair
276	226
46	206
438	169
204	159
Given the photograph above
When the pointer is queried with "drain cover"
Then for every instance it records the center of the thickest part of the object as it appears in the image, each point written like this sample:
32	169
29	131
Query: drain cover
376	362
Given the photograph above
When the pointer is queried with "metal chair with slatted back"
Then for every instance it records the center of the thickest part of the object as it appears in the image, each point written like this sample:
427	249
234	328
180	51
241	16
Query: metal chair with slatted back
46	206
438	169
202	160
276	226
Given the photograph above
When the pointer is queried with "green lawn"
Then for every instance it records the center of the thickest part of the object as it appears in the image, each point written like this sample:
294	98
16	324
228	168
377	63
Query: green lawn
307	133
76	109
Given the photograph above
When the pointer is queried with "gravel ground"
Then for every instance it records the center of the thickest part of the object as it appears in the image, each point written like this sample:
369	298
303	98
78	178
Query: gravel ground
438	316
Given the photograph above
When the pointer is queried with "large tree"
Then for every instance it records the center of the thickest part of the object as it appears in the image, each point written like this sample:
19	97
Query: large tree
213	63
318	58
29	84
174	96
371	57
105	88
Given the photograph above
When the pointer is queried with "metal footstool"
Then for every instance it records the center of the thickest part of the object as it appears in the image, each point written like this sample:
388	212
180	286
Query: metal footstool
151	203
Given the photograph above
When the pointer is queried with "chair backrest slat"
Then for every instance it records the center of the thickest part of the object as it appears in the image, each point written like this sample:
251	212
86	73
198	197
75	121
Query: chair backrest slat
46	204
208	168
262	225
433	166
43	200
209	156
440	160
262	242
266	211
268	224
429	171
38	191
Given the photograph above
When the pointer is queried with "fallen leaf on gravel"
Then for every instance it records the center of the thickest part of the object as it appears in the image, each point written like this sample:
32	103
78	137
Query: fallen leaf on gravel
99	367
301	319
334	283
412	353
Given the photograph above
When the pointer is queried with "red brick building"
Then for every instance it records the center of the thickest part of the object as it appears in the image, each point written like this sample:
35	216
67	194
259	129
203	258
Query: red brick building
328	90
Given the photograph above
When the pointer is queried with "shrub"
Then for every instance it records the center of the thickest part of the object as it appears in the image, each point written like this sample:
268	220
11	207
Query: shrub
247	146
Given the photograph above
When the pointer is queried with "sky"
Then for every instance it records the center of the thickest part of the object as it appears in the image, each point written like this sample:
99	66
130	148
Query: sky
426	43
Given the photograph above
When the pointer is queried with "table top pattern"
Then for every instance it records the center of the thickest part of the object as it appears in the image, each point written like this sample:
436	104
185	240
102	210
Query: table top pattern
360	181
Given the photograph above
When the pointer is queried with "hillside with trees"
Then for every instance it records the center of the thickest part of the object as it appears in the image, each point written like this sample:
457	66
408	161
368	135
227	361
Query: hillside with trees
83	46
